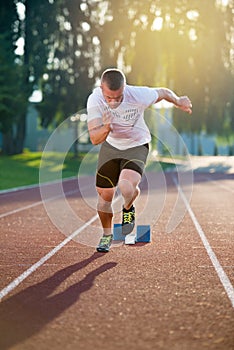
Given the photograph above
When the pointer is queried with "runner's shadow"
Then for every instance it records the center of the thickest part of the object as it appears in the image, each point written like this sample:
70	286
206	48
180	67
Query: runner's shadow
27	312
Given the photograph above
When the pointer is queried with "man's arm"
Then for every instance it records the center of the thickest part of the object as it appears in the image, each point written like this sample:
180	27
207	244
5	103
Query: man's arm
99	129
182	102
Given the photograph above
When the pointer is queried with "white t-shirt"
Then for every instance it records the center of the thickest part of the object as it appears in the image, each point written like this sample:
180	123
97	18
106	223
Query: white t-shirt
127	120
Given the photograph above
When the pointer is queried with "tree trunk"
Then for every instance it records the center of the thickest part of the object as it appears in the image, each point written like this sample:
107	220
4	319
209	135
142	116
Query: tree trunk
8	143
13	140
20	135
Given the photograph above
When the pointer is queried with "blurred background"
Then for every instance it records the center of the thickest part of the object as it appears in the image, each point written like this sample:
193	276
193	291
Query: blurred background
52	53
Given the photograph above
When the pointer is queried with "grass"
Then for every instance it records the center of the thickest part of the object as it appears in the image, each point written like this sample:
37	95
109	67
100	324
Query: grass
30	168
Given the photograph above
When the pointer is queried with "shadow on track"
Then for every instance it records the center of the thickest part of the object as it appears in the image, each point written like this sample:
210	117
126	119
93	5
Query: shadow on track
27	312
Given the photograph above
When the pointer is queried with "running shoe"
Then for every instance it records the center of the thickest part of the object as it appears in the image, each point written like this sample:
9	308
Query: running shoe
104	244
128	221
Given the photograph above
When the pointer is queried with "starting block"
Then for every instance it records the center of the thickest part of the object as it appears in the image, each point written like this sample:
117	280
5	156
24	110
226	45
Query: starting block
140	234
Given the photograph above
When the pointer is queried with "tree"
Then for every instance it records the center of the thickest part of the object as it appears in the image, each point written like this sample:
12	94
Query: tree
170	43
13	93
67	77
175	43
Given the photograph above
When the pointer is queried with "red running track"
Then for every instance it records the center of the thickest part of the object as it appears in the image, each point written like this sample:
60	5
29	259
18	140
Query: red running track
174	293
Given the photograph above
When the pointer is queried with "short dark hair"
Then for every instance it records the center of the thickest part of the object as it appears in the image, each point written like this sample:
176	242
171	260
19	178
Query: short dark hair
113	78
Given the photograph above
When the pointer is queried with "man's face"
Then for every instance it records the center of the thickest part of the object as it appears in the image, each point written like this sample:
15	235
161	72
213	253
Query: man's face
112	97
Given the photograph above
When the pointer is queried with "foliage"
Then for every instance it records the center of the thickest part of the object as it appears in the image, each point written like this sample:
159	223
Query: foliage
183	44
177	44
14	88
67	78
10	93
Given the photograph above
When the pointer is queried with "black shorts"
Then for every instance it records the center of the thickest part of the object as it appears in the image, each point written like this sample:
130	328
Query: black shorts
112	160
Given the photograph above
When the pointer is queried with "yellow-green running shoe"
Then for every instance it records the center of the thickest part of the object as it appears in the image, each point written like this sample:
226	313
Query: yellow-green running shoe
104	244
128	221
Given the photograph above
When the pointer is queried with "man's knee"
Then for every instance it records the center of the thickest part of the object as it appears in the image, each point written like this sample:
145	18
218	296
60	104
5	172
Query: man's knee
104	206
105	197
126	188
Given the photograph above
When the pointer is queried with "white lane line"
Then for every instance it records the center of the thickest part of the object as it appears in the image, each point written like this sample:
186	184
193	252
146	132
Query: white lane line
34	267
221	273
36	204
20	209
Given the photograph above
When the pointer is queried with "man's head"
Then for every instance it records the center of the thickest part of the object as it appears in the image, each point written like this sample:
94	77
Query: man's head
112	85
113	78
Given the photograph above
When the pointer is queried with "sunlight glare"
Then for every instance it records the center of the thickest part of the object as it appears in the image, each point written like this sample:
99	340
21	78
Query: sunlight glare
85	26
36	96
192	15
19	46
20	10
157	24
192	34
222	2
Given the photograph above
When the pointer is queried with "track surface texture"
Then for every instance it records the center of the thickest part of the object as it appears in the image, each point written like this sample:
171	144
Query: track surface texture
175	293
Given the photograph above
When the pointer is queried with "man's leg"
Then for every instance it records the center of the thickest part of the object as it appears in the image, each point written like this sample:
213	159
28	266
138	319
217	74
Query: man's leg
128	185
104	208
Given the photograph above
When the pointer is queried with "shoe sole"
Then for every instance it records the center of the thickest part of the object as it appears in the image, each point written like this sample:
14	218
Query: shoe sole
103	250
